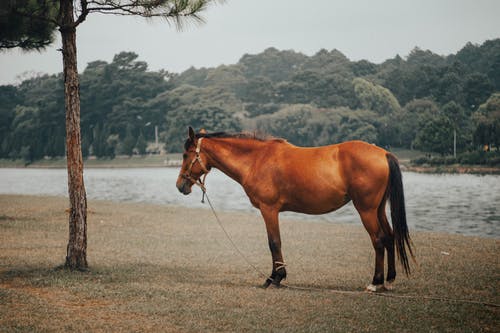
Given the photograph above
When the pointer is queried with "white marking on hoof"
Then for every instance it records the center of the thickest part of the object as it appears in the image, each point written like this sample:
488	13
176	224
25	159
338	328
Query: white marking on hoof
374	288
389	285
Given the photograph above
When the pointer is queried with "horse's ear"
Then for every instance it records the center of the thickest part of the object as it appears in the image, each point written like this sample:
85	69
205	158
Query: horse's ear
191	134
203	131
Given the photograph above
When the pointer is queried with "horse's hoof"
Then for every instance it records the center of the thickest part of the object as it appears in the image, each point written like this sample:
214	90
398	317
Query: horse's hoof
271	284
389	285
372	288
274	286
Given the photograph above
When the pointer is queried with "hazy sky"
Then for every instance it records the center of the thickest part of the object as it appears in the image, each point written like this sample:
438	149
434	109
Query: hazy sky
361	29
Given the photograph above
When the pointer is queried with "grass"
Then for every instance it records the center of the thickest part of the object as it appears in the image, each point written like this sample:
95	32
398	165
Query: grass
159	268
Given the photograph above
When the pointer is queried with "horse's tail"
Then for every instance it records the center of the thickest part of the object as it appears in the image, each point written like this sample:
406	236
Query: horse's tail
398	212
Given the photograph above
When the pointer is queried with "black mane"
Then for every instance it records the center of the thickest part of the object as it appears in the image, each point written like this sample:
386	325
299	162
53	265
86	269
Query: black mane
240	135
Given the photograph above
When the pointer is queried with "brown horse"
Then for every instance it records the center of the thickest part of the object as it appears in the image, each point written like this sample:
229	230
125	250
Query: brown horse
278	176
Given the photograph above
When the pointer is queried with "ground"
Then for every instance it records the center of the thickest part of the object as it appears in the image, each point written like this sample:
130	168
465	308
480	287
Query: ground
160	268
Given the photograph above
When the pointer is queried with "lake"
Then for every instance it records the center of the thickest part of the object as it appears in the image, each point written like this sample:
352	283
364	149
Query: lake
452	203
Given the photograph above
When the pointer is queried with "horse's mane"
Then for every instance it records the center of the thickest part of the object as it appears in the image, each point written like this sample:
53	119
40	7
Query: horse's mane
240	135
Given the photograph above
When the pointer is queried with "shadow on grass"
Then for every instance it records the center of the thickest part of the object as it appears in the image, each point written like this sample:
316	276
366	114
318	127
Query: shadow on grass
37	276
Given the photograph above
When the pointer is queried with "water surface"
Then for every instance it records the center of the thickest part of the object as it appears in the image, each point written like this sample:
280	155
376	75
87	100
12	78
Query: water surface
452	203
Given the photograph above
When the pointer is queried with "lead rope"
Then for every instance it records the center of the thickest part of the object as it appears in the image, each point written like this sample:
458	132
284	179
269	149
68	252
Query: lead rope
227	234
336	291
203	189
242	255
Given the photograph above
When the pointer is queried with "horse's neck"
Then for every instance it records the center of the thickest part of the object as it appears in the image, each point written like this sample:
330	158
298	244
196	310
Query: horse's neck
233	156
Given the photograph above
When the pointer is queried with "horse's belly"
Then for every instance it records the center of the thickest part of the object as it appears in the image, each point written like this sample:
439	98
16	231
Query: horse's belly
315	202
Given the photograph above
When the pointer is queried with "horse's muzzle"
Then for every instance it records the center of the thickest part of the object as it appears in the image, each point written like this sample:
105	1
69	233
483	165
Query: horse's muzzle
184	186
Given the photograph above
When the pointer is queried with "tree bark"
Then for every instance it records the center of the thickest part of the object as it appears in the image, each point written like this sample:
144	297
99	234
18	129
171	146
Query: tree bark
76	257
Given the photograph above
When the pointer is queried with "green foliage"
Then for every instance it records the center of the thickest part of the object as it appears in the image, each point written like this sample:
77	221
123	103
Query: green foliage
435	134
416	102
478	88
276	65
306	125
37	121
414	115
312	87
477	157
129	142
363	68
26	132
355	127
118	94
229	78
327	61
9	98
101	146
28	24
211	118
375	97
480	157
291	122
258	88
486	122
141	144
482	59
192	77
434	128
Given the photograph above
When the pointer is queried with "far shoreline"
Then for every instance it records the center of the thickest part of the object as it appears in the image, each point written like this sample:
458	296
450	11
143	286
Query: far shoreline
148	161
452	169
175	161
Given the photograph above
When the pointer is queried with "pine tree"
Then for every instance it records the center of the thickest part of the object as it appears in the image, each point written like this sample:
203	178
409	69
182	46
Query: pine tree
66	16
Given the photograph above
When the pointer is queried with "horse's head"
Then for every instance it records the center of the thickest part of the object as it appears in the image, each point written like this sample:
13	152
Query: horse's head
194	163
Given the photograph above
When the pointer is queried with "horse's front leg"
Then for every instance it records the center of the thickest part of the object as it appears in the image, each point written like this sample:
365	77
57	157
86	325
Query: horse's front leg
278	272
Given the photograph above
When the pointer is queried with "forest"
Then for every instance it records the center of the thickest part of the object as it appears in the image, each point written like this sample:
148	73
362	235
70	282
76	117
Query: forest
422	101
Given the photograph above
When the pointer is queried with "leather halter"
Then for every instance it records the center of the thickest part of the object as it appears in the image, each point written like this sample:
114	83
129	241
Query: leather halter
197	158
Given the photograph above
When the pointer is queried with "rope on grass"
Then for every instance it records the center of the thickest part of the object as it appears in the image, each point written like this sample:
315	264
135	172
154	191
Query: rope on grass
441	299
242	255
338	291
431	298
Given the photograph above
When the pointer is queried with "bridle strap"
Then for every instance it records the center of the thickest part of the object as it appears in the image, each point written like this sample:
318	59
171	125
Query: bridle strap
197	158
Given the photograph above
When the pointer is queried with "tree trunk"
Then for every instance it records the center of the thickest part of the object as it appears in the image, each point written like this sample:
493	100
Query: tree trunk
76	257
454	143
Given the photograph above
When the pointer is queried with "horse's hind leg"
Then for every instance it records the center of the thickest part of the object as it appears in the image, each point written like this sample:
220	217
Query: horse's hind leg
388	241
278	272
370	221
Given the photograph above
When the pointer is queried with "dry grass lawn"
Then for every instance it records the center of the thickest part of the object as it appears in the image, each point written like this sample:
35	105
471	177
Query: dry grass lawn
168	269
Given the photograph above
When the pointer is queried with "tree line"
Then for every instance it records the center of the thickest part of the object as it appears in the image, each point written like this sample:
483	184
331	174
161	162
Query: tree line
423	101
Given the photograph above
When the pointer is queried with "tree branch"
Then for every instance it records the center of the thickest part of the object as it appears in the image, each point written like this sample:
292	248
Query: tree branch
83	14
167	9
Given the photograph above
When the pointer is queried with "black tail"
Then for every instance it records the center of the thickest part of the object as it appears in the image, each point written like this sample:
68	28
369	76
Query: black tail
398	212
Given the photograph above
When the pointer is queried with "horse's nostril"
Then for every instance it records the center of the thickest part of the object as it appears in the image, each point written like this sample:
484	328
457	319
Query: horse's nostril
184	187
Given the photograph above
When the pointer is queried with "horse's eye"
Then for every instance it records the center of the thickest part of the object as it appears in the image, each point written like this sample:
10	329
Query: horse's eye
184	156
